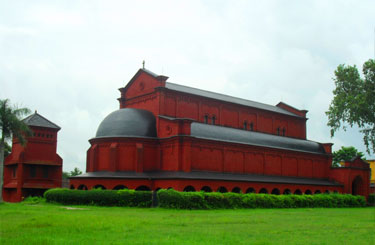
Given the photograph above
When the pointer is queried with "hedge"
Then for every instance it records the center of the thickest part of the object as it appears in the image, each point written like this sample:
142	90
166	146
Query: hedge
200	200
125	198
215	200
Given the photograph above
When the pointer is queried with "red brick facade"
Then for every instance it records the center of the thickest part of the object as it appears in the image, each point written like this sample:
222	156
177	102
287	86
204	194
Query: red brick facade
212	141
30	170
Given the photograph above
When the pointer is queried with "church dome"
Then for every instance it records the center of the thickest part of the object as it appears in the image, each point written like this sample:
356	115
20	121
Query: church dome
128	122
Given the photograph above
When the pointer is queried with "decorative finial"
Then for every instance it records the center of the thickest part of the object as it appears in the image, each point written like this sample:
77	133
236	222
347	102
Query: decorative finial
143	64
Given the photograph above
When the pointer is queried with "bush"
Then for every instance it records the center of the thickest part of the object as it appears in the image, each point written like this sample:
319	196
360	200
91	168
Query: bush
181	200
125	198
201	200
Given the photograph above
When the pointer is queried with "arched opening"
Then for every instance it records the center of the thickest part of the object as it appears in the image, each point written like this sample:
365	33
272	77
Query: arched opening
308	192
157	189
169	188
298	192
120	187
189	188
357	186
275	191
100	187
263	191
287	192
222	189
143	188
206	189
236	190
82	187
72	187
317	192
250	190
327	192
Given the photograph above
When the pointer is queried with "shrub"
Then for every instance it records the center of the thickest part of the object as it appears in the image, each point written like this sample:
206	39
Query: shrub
128	198
181	200
201	200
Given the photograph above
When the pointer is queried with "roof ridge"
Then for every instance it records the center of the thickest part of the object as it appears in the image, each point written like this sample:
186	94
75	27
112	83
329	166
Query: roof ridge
277	109
36	115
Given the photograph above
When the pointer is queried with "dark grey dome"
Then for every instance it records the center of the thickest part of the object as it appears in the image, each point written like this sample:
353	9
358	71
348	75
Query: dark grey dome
128	122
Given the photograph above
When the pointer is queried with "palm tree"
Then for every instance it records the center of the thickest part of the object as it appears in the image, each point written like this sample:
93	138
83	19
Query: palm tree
11	125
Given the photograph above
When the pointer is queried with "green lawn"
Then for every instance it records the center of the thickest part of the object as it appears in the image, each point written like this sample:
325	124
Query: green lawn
56	224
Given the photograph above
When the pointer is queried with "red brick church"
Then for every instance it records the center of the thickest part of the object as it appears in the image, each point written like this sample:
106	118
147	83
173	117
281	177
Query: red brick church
166	135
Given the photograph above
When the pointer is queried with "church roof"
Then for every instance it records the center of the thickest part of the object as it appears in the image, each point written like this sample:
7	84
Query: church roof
225	134
209	176
38	120
128	122
227	98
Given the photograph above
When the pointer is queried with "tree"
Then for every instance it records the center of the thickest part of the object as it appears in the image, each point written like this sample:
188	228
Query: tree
11	126
354	101
345	154
75	172
7	149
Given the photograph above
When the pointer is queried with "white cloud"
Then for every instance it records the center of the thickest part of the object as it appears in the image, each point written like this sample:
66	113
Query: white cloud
67	59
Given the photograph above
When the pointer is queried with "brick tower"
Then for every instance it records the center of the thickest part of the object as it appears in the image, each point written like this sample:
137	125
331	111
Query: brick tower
32	169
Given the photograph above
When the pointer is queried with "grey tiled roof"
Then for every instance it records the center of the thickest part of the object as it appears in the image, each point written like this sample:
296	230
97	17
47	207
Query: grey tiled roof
225	134
208	176
39	121
227	98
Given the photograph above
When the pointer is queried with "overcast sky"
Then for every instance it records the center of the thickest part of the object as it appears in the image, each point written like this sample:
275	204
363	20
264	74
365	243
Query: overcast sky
67	59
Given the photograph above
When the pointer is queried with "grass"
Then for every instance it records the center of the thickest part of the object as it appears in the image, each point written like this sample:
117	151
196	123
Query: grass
44	223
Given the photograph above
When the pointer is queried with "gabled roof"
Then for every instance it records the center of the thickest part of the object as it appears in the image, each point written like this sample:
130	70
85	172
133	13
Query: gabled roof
225	134
227	98
139	72
38	120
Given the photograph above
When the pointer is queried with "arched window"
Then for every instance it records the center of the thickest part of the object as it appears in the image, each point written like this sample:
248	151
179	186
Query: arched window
275	191
206	189
100	187
298	192
287	192
205	119
308	192
189	188
283	131
263	191
327	192
245	125
213	120
317	192
120	187
82	187
236	190
278	130
251	126
222	189
250	190
72	187
143	188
